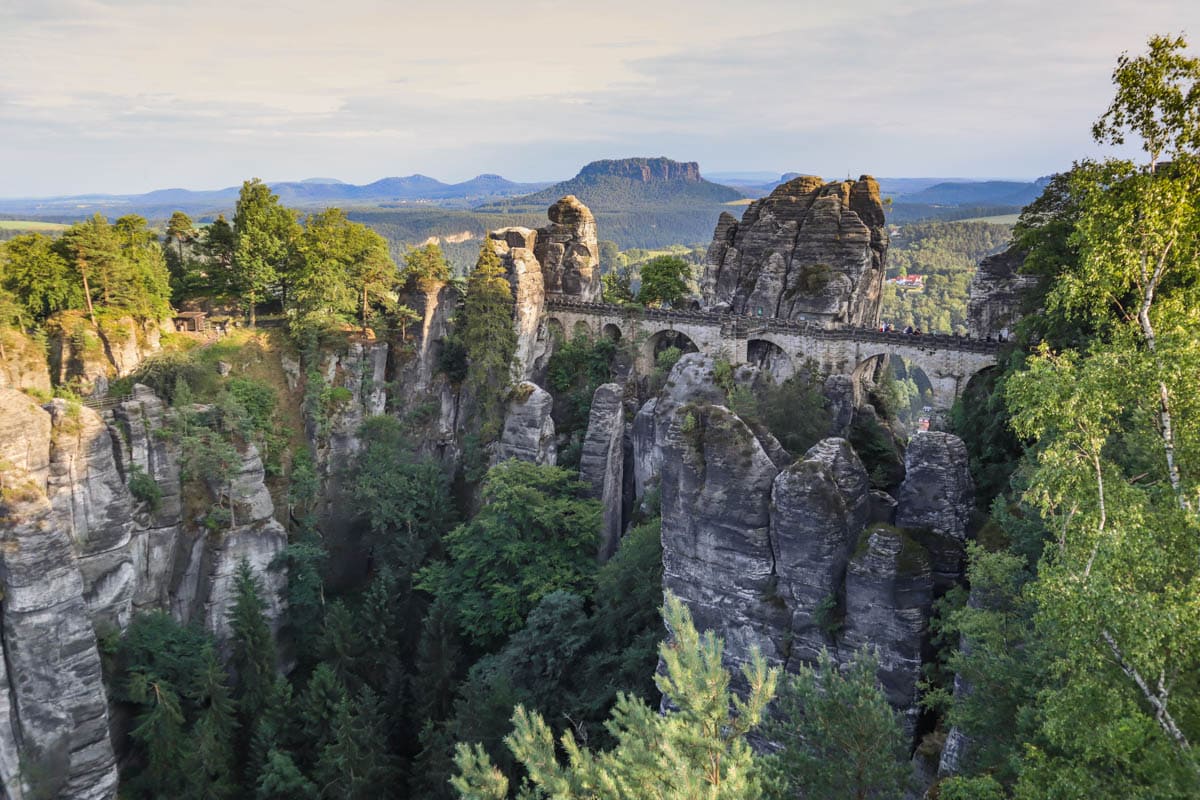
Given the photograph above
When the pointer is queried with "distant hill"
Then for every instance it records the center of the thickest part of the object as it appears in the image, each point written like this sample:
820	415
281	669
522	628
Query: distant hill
309	193
630	183
977	193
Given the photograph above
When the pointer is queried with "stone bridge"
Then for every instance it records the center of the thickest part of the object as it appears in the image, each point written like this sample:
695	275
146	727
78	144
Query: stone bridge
781	345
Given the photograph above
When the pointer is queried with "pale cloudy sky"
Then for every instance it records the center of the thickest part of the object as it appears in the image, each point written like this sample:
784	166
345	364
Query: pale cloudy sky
131	95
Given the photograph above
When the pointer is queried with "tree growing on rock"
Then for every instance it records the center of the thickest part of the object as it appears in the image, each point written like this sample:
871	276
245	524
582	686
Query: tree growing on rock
265	233
665	279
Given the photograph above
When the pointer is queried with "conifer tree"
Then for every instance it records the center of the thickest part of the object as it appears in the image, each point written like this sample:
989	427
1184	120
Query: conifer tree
160	736
253	657
697	752
355	765
266	232
281	779
490	339
209	762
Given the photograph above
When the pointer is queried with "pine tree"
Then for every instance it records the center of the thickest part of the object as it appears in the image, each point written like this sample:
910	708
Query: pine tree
839	737
253	657
160	737
209	763
356	765
490	340
281	779
318	708
697	752
266	232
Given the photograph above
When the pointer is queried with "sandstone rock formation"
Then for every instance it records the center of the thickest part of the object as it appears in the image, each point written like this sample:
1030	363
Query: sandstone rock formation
889	594
90	356
793	558
528	427
568	251
997	295
56	733
79	554
717	553
22	362
936	497
602	463
559	259
809	250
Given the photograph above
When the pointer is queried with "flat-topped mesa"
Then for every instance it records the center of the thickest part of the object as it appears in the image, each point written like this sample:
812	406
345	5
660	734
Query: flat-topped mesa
810	250
645	170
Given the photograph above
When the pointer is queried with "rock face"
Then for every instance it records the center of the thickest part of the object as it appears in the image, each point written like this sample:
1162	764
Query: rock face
936	498
794	558
602	463
646	170
90	356
809	250
717	552
56	731
997	295
79	553
528	427
889	593
560	259
568	251
23	365
515	246
818	508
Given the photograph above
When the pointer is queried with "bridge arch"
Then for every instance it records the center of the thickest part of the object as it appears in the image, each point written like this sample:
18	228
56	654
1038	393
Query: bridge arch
611	331
770	357
555	329
926	383
582	328
664	339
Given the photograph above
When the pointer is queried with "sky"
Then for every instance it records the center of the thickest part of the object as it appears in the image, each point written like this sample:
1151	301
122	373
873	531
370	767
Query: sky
124	96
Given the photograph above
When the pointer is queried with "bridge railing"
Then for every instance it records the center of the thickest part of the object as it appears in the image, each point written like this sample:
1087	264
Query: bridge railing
741	325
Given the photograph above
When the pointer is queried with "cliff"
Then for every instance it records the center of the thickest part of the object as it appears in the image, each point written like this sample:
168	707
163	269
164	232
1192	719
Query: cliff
998	293
809	250
81	554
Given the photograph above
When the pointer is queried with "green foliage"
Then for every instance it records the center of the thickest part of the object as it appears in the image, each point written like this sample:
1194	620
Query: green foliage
697	751
839	736
665	279
425	266
877	448
535	534
342	269
489	339
793	411
39	278
144	488
253	656
946	253
281	779
406	499
576	369
265	236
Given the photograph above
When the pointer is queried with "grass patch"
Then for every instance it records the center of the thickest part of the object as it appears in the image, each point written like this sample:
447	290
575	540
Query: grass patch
31	225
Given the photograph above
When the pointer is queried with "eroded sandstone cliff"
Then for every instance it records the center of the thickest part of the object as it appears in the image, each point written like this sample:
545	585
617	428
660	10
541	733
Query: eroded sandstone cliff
809	250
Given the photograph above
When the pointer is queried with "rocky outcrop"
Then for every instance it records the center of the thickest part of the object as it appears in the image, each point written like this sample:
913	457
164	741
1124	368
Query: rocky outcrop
794	558
936	498
717	551
809	250
57	728
92	503
528	427
997	295
89	356
818	508
889	594
645	170
22	362
602	462
515	246
569	252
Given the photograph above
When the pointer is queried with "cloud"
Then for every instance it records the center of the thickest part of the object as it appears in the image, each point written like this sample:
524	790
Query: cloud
126	96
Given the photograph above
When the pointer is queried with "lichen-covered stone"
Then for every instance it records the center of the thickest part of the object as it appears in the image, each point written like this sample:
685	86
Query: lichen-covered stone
809	250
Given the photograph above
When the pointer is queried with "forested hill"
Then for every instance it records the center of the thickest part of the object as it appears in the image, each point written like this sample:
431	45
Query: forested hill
627	183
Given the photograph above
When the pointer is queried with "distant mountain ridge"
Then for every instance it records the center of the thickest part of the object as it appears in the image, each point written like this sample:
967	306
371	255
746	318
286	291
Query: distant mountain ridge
1013	193
308	192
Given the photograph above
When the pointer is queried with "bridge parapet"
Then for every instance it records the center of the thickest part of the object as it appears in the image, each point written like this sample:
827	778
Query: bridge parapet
742	326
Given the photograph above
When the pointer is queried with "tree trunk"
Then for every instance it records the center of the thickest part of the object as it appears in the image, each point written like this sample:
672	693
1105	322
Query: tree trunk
87	291
364	309
253	318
